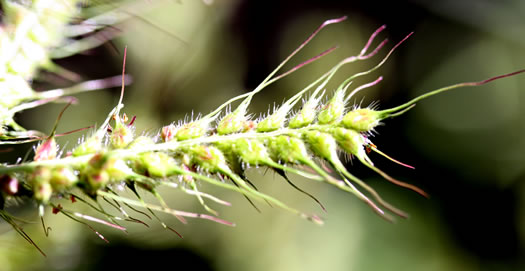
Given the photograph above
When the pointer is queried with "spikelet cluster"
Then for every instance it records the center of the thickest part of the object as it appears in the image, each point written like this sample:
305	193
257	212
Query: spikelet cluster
32	34
217	149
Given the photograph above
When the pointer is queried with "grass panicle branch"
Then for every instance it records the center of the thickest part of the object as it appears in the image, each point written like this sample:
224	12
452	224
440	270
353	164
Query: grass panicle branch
217	149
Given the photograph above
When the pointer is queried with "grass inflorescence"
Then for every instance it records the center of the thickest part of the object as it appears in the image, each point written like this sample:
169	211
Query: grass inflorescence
217	149
32	35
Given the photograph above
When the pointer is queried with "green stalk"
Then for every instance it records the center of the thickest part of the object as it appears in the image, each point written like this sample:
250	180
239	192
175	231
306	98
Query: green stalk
398	110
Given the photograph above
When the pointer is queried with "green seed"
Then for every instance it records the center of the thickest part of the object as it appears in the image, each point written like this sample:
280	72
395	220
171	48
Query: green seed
306	115
274	121
121	136
333	110
287	149
349	140
191	130
118	169
251	151
209	158
158	164
362	119
321	144
91	145
231	123
103	169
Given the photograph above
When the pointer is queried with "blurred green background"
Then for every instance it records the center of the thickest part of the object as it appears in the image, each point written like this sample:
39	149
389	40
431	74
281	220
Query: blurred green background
467	145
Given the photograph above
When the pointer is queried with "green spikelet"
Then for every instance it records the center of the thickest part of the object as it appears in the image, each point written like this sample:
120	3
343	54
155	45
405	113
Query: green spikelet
251	151
192	130
306	115
362	119
333	110
351	141
90	146
232	123
288	149
274	121
209	158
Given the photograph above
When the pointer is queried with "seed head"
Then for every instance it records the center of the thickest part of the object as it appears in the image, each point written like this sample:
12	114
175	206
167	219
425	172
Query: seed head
362	119
232	123
89	146
158	164
104	169
118	169
209	158
306	115
333	110
227	147
192	130
349	140
274	121
288	149
121	136
251	151
321	144
195	150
